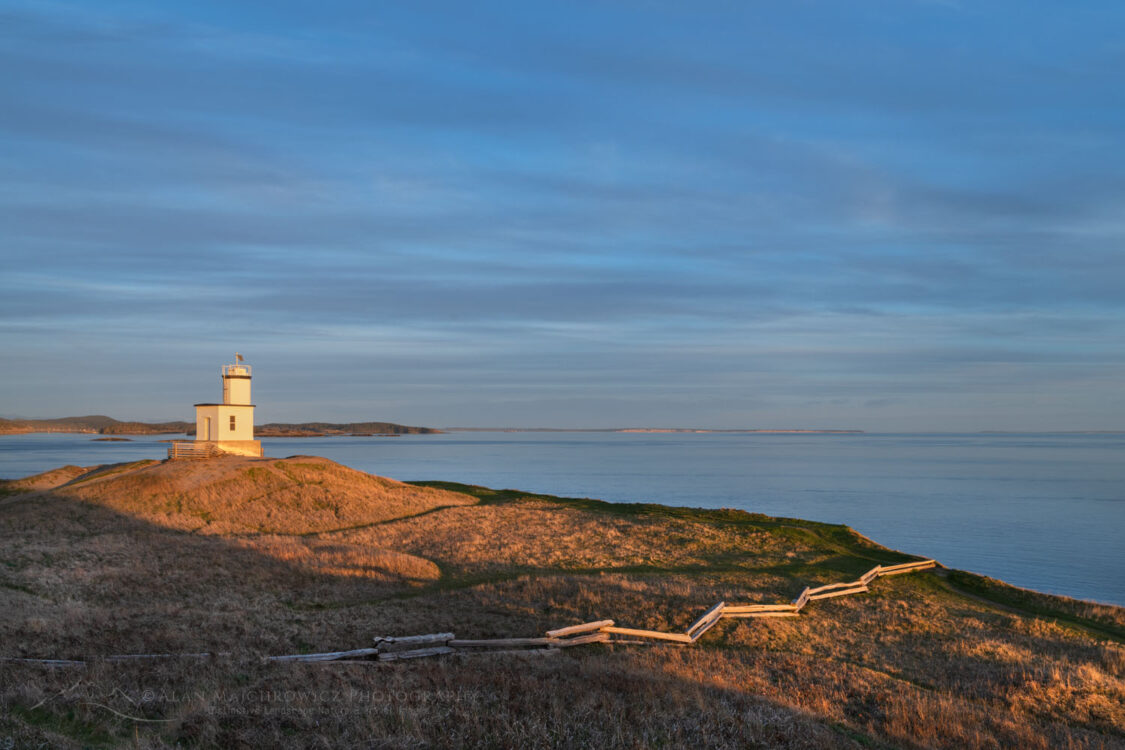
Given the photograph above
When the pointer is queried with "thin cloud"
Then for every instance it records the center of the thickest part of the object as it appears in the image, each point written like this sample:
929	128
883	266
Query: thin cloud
512	214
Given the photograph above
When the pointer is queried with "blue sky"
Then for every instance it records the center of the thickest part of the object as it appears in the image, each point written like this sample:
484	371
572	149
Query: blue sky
871	215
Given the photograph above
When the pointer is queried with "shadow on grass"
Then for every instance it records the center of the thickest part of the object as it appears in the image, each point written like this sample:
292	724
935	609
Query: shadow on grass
82	580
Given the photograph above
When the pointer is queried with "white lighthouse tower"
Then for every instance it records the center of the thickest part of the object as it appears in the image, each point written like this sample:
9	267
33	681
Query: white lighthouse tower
228	427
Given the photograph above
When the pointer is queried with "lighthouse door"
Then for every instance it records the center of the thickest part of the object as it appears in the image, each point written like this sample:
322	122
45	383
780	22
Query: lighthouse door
207	428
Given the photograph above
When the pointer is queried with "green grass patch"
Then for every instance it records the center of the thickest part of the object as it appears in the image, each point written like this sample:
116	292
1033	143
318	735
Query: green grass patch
299	465
67	723
17	587
203	515
856	735
111	470
1062	609
859	552
289	471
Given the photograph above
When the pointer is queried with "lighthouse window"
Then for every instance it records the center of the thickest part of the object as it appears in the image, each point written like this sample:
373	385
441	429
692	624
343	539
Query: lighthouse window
232	423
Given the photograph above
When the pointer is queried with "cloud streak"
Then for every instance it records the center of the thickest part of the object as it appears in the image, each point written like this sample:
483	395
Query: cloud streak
881	216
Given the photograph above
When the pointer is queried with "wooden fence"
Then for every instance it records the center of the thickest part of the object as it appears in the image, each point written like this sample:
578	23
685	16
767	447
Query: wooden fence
192	450
397	648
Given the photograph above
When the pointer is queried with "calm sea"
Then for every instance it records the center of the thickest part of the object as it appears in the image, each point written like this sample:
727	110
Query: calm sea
1044	511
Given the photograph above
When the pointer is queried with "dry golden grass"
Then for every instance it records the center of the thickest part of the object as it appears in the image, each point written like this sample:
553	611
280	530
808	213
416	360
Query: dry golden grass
234	495
50	479
342	559
123	562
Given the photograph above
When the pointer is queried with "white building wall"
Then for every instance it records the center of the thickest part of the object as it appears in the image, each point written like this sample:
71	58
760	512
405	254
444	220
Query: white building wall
243	417
202	415
236	390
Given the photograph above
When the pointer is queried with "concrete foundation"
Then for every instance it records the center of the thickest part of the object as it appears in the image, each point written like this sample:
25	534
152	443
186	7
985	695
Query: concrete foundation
238	447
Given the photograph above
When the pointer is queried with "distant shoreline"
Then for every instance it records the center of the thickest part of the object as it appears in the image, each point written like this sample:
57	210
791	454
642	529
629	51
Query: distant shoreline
103	425
654	430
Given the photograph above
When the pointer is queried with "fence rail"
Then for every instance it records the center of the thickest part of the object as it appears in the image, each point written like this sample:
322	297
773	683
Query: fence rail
395	648
191	450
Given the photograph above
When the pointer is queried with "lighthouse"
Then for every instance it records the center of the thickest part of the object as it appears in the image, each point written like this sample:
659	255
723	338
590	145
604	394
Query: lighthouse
229	427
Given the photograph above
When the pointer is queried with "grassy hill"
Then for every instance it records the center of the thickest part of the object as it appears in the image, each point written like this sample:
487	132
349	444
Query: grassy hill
250	557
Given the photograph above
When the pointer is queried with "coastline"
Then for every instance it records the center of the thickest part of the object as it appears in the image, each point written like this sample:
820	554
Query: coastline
943	496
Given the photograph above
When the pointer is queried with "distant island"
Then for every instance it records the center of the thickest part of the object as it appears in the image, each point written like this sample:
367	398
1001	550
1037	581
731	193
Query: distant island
327	429
102	425
95	425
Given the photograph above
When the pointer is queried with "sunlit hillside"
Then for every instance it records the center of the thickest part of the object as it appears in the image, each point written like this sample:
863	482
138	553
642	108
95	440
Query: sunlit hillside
245	558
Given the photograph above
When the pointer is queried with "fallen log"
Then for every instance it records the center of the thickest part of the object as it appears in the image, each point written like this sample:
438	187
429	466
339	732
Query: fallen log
416	653
131	657
46	662
409	642
356	653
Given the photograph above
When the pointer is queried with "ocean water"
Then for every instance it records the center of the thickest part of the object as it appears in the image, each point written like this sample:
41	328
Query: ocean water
1043	511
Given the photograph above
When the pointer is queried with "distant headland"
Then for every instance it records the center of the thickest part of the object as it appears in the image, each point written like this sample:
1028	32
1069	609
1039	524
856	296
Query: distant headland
102	425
